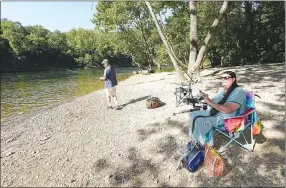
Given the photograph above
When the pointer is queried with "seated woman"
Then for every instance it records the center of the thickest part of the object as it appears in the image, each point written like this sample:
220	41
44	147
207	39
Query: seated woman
229	101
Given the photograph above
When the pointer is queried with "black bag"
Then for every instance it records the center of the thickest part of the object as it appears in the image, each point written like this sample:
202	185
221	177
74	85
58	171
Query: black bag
192	157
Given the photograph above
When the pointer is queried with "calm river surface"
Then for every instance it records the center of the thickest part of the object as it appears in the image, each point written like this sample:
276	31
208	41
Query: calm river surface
23	92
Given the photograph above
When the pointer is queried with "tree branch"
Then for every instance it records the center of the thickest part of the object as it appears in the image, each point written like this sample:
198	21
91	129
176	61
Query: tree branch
169	41
209	35
163	38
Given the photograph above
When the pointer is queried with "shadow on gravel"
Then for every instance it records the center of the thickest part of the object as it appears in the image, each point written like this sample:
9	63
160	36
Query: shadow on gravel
216	84
256	74
262	168
242	167
156	127
275	108
162	104
167	146
134	101
215	73
132	172
101	164
281	97
261	76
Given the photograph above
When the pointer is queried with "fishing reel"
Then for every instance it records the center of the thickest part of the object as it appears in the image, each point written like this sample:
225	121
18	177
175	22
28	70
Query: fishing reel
196	102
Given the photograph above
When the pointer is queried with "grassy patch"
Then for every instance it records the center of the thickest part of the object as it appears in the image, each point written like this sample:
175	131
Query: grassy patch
166	69
123	77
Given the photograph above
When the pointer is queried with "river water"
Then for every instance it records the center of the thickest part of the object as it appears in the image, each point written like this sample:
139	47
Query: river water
23	92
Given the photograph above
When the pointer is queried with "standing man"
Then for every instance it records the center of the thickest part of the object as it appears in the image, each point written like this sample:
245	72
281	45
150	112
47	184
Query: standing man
110	83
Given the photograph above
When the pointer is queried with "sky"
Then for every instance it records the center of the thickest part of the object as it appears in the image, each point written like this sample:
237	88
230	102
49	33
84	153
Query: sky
62	16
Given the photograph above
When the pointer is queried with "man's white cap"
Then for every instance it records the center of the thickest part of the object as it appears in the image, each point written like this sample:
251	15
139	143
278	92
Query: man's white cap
105	61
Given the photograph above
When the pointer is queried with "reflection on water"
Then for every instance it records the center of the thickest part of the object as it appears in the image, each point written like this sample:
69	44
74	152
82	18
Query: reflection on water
22	92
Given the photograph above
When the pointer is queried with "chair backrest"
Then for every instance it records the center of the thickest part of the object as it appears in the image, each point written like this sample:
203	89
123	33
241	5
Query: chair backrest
248	117
250	99
250	105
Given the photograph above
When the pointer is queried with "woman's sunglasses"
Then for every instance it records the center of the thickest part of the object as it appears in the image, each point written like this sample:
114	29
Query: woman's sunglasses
226	77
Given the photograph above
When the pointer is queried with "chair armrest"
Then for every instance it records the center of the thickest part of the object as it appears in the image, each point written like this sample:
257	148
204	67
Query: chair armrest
250	111
243	115
247	112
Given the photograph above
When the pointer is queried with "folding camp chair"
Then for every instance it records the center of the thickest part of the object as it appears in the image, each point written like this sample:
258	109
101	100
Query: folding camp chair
234	127
183	93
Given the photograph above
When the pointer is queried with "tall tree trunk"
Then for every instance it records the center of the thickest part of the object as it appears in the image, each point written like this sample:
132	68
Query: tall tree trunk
181	77
193	35
250	29
195	67
149	52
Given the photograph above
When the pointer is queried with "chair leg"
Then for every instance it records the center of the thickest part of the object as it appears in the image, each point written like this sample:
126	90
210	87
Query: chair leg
247	146
181	98
223	148
177	100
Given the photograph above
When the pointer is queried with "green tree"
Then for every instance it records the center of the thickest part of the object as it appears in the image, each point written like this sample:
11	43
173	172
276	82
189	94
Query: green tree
36	37
133	27
15	33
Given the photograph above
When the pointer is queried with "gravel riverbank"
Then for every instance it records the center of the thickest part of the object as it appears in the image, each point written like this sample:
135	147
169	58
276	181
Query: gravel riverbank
82	143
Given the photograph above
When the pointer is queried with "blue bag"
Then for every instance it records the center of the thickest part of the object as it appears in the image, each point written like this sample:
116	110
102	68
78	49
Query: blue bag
192	157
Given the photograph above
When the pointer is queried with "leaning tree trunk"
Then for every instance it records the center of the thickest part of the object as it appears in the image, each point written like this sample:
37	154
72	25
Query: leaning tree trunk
173	60
195	67
193	35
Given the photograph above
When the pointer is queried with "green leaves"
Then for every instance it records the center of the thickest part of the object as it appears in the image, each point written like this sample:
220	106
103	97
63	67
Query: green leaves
15	33
129	25
250	32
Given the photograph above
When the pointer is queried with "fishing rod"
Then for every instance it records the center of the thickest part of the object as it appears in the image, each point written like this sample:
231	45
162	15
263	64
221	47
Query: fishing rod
185	111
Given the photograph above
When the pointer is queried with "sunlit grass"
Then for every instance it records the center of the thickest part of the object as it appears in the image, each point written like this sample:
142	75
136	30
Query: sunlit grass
166	69
6	109
123	77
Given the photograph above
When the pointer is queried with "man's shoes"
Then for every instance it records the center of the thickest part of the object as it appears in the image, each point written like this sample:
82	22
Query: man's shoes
116	107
